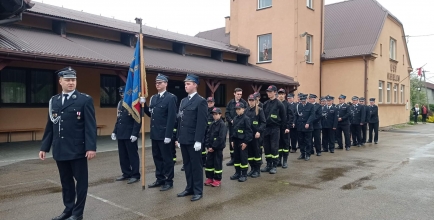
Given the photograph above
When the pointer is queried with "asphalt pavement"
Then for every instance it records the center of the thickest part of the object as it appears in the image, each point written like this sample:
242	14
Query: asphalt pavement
389	180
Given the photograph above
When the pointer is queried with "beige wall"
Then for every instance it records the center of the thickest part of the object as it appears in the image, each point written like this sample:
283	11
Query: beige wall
285	20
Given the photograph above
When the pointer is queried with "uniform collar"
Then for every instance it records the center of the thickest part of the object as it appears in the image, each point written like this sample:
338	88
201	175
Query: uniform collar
191	95
162	93
69	93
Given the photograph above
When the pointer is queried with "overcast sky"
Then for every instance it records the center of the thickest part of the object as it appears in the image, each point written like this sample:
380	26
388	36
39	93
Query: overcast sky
192	16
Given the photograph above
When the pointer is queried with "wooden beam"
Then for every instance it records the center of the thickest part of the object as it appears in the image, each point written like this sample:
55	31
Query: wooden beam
122	75
59	27
213	85
256	88
4	63
178	48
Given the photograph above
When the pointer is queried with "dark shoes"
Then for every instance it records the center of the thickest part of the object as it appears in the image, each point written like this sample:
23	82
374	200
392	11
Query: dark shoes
301	157
230	163
133	180
155	184
307	158
376	142
347	148
273	170
196	197
62	216
285	163
242	179
182	168
332	151
184	194
75	218
318	154
166	187
250	172
293	151
235	176
122	178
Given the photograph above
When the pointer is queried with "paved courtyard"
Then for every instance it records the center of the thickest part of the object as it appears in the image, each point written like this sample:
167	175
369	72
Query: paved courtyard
391	180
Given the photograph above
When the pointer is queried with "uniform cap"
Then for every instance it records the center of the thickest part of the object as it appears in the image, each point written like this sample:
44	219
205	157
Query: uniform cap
372	99
355	98
161	77
312	96
271	88
251	97
239	105
342	96
192	78
362	99
330	98
281	91
290	95
323	98
303	97
210	99
216	110
67	73
122	89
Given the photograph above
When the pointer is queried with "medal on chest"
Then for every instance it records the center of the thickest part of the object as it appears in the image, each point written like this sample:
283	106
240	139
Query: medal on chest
78	115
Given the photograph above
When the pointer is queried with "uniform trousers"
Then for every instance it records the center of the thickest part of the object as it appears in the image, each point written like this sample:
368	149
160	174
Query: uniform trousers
163	159
213	166
240	155
328	139
231	149
305	142
271	144
68	171
283	143
293	137
129	158
364	132
373	127
316	141
193	169
253	152
356	134
343	128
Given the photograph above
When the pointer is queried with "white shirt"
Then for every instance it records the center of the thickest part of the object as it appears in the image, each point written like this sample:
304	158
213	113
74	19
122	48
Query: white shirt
162	93
191	95
69	95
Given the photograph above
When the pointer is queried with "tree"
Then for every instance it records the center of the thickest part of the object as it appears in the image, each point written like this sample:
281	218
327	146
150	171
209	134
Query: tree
417	91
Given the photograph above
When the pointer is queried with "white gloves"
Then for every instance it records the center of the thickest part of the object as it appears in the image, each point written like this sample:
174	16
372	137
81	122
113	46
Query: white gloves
133	138
113	136
142	100
197	146
167	140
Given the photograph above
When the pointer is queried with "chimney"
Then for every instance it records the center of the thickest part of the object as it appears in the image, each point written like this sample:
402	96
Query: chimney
228	24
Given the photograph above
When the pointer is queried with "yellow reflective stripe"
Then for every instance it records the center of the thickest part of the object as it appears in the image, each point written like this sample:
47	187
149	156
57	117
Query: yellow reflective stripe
174	159
274	116
251	158
280	150
269	155
255	122
286	151
258	159
203	152
218	171
244	166
231	151
237	164
174	130
215	138
240	131
275	156
209	169
209	122
262	147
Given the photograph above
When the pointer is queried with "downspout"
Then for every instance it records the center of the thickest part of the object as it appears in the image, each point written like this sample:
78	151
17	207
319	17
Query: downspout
321	48
365	93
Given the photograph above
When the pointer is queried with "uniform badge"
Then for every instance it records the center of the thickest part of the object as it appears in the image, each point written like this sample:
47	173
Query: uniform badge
73	97
54	115
180	114
78	115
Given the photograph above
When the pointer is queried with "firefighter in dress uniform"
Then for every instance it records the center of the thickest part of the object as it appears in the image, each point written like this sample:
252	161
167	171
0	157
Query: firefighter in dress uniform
71	132
305	114
344	115
293	129
357	120
373	121
284	134
329	125
316	134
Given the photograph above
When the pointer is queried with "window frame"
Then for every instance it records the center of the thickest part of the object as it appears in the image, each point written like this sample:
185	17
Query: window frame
389	92
259	51
28	85
309	41
218	91
118	83
381	91
260	8
395	93
309	4
392	49
402	94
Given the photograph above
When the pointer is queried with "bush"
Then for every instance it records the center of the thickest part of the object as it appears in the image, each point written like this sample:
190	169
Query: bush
419	118
430	119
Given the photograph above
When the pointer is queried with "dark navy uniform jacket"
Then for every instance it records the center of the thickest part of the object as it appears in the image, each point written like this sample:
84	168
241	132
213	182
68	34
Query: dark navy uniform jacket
329	117
374	114
289	114
126	126
192	120
357	114
318	116
293	106
210	119
75	132
162	111
258	121
242	128
304	115
367	113
344	113
230	110
216	135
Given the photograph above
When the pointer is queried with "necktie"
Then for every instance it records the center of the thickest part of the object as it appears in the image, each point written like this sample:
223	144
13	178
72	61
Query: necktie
189	97
65	99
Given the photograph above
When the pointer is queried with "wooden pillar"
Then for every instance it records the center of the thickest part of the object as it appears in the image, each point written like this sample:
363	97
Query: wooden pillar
213	85
122	75
256	88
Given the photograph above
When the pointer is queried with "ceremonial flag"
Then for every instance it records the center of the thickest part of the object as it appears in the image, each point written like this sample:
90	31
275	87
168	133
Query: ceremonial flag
419	71
131	100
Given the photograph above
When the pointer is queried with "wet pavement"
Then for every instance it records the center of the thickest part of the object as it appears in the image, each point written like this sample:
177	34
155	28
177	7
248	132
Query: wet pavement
390	180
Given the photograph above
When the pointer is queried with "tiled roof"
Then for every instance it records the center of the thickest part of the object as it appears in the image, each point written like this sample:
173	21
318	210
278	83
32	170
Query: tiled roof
215	35
37	43
69	14
352	28
429	85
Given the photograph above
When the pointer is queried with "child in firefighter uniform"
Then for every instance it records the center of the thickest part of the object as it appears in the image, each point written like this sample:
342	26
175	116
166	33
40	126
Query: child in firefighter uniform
257	117
241	136
215	142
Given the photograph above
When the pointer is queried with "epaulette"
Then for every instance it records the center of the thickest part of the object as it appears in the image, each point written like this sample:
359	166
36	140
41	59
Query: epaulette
57	95
85	94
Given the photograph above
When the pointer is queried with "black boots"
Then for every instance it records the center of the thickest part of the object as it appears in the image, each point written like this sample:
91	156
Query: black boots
285	162
279	163
273	169
267	168
243	176
231	162
237	174
252	169
256	172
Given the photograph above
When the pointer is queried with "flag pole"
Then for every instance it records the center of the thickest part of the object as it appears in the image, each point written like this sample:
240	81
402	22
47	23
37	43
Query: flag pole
143	93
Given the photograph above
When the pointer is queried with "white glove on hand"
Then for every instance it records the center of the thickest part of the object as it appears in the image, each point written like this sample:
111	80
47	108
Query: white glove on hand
197	146
167	140
142	100
133	138
113	136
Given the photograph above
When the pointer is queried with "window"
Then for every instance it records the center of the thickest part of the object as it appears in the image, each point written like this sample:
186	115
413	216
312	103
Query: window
392	49
24	87
402	94
380	92
395	93
309	3
264	4
219	95
264	48
309	48
389	87
109	95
